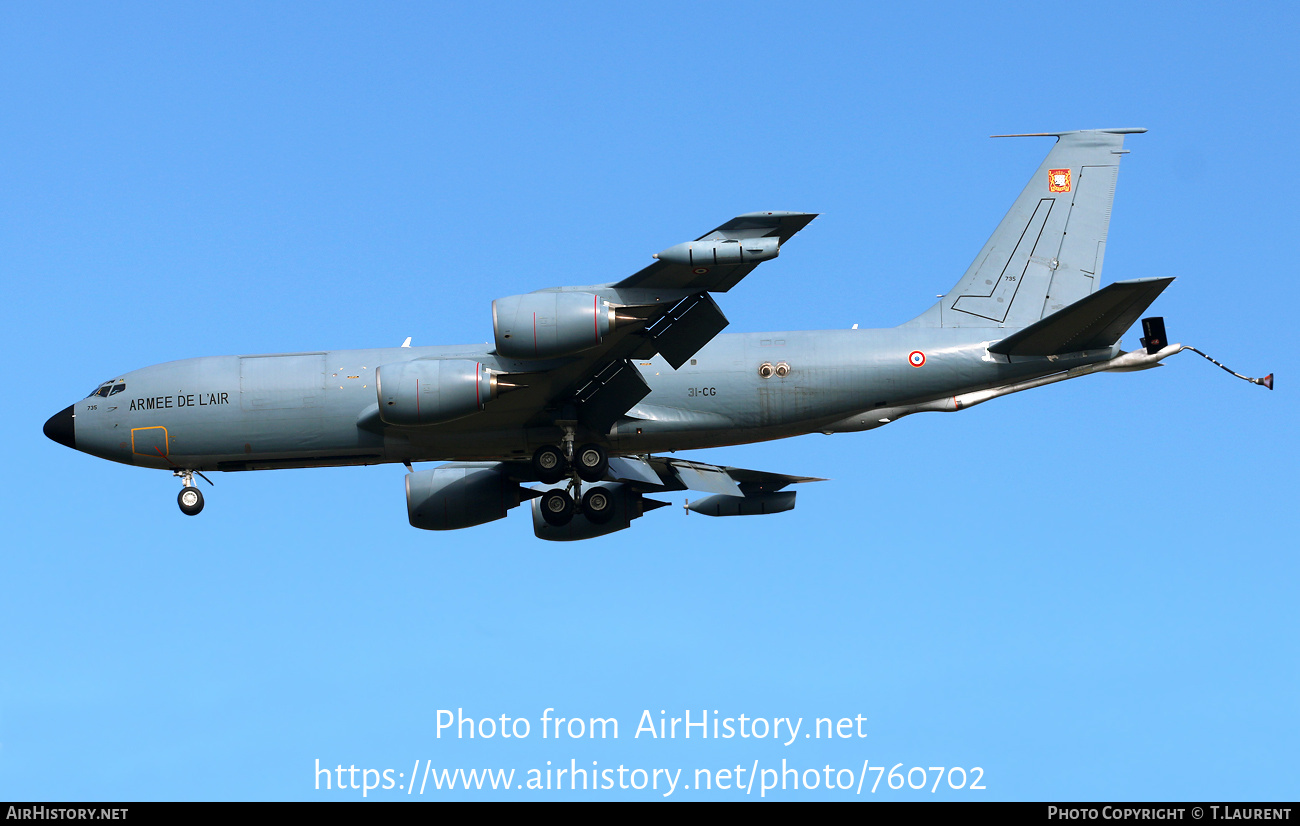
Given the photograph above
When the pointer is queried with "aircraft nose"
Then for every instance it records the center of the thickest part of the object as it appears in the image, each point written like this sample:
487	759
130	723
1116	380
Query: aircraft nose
60	427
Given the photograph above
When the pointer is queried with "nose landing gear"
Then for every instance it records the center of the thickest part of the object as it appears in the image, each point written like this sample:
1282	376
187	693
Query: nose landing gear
190	499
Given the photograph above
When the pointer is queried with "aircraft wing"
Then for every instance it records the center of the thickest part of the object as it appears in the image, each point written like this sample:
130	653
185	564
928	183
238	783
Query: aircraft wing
665	309
699	273
660	474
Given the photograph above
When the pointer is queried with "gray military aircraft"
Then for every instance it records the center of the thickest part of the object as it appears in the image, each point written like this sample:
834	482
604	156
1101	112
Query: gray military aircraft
584	385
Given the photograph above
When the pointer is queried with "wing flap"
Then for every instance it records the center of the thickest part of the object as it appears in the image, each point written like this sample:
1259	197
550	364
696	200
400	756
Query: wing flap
688	326
633	469
727	481
678	474
609	395
759	481
706	478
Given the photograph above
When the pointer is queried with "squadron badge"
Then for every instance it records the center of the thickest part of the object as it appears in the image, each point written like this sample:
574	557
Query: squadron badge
1058	180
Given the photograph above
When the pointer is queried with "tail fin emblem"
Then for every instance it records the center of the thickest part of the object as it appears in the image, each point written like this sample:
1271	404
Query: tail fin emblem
1058	180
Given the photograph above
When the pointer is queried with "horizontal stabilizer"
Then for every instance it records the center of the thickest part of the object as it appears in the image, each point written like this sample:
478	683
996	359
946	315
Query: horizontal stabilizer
1091	323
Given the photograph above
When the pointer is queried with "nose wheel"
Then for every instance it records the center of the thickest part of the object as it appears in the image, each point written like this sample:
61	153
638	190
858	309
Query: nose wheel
190	499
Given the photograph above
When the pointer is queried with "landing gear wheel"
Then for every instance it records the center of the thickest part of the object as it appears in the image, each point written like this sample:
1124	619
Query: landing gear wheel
591	462
598	506
549	464
557	507
190	500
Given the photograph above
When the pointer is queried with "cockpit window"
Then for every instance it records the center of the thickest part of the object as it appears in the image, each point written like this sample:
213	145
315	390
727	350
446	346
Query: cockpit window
108	388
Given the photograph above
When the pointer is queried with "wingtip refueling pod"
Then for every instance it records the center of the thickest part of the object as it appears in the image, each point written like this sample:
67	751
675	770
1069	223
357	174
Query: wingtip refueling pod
721	251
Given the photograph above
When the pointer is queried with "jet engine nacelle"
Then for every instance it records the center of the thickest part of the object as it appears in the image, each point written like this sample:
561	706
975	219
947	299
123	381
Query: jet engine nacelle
450	498
431	391
628	505
546	325
722	251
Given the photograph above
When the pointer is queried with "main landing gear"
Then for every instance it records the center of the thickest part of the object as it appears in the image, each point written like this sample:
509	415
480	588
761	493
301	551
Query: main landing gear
591	463
549	464
598	505
588	463
558	506
189	499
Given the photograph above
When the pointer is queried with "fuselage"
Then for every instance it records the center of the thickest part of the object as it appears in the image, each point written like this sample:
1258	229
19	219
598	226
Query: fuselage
317	409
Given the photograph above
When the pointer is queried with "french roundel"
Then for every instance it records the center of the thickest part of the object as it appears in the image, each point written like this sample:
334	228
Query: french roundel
916	358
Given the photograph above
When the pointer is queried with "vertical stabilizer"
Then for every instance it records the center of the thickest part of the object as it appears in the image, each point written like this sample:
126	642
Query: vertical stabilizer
1047	252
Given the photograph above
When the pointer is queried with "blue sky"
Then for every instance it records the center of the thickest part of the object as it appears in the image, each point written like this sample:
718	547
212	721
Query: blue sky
1087	591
